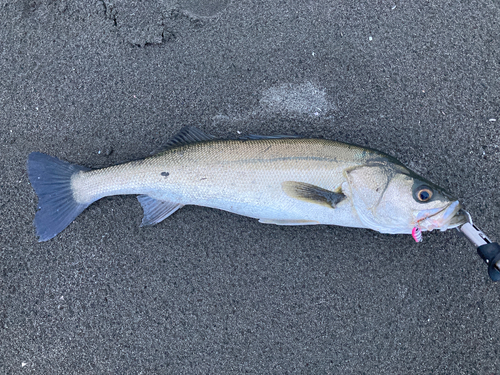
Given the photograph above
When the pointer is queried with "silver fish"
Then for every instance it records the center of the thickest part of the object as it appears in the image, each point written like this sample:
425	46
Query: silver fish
277	180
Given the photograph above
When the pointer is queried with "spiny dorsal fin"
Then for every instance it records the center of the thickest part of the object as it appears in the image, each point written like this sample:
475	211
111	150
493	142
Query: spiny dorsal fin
188	134
312	193
253	137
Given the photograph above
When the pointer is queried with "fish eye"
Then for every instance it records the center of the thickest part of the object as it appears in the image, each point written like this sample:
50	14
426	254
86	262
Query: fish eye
424	193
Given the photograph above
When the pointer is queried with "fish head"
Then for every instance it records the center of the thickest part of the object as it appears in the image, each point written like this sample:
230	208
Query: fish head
390	198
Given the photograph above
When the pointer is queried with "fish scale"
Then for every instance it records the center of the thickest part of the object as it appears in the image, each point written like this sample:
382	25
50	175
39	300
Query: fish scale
227	175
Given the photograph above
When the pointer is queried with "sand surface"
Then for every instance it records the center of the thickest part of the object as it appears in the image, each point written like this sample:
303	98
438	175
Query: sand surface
208	292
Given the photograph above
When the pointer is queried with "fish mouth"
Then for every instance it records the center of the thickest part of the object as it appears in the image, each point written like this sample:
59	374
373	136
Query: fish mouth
449	217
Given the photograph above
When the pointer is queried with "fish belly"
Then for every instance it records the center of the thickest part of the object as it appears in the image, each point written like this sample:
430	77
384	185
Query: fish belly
258	194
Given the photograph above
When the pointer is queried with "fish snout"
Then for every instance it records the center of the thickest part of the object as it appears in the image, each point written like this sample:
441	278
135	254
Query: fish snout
450	217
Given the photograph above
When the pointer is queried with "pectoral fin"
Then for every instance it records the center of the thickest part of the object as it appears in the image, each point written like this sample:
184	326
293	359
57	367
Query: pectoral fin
156	210
312	193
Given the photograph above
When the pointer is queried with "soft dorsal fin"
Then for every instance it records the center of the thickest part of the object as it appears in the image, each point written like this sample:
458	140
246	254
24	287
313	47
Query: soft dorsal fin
312	193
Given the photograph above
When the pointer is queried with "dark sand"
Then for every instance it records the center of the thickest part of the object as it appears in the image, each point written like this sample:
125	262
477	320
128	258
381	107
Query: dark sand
208	292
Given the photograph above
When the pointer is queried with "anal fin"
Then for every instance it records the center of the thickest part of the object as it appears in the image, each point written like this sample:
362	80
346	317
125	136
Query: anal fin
156	210
288	222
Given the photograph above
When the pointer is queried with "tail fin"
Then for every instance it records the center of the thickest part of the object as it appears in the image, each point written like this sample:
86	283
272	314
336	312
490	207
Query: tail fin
51	179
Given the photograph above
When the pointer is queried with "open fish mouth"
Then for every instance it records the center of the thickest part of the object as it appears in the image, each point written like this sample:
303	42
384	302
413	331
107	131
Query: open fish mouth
449	217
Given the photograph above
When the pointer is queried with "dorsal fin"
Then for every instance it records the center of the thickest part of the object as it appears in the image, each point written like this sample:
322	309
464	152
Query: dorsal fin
253	137
188	134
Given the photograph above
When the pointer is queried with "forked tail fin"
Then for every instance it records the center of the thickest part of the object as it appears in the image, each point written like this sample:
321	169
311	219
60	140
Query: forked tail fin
51	179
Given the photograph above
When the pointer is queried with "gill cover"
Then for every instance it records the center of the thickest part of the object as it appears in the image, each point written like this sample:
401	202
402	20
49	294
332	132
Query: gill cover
367	187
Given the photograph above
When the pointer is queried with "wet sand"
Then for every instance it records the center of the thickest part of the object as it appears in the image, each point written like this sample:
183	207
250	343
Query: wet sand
210	292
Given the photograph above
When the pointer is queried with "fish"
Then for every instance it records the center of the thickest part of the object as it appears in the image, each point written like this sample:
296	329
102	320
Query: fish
282	180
